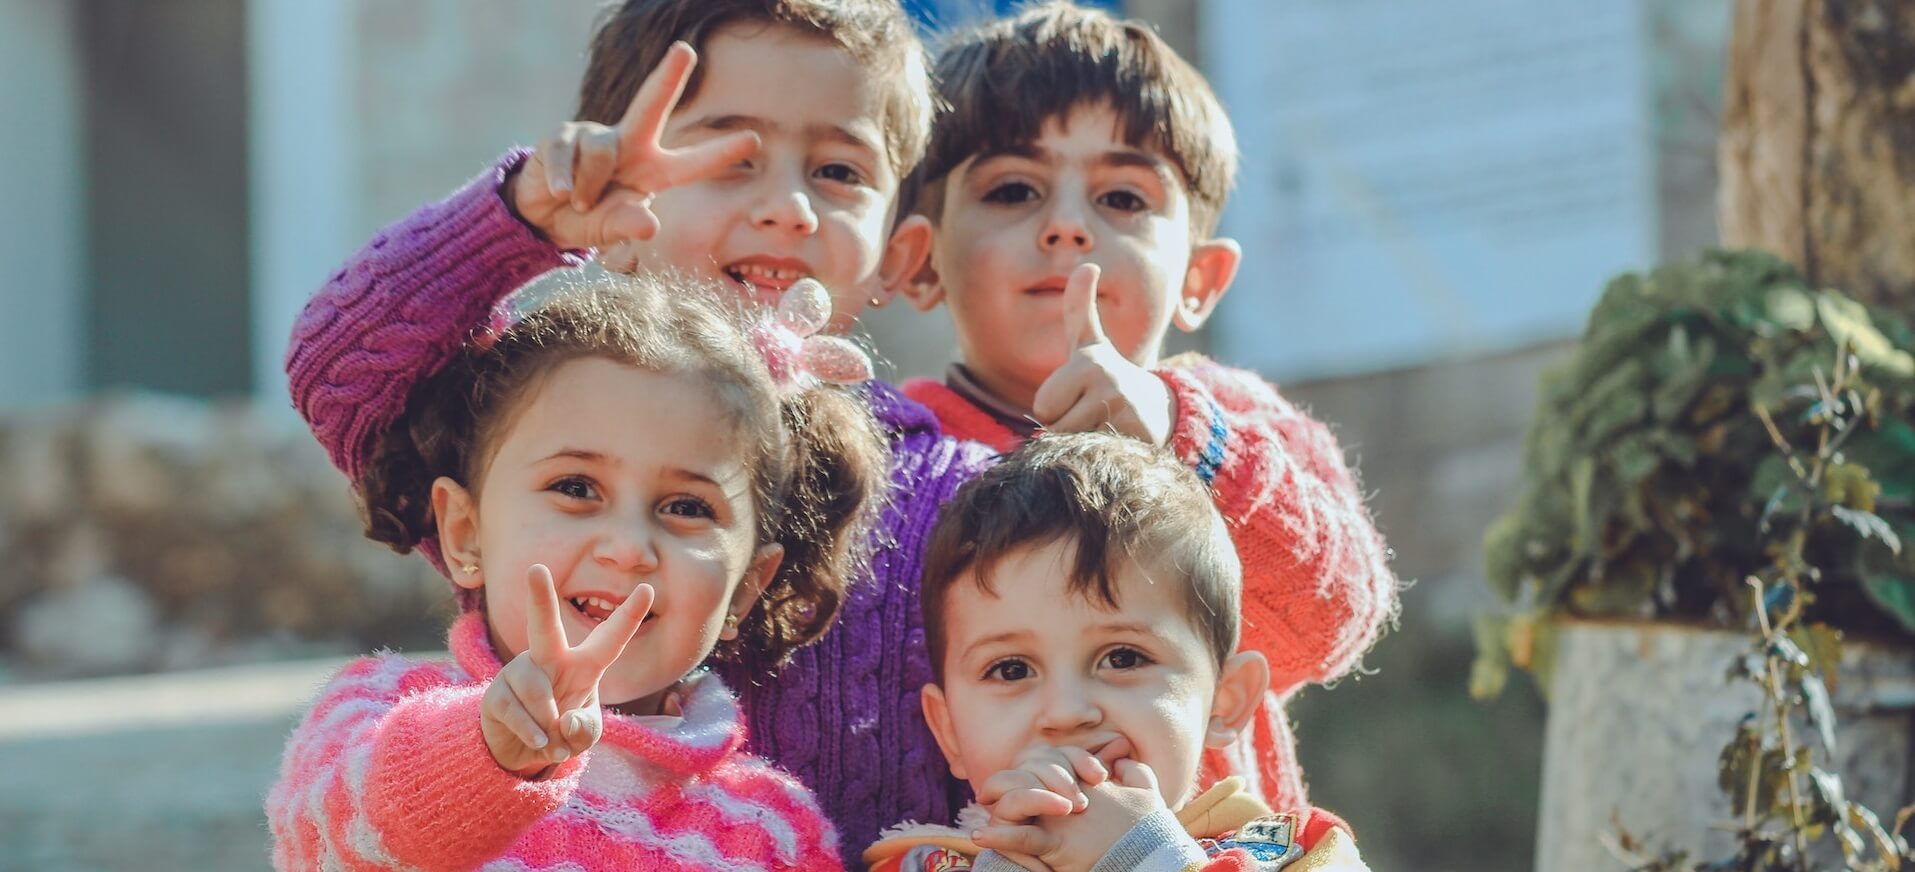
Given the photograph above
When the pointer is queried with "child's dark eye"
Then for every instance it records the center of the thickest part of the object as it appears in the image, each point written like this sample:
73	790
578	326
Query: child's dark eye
1125	658
1125	201
574	487
1008	670
690	507
842	174
1011	193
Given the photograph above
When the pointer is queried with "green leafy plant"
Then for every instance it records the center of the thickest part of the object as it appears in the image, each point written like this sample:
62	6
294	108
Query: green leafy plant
1786	799
1652	488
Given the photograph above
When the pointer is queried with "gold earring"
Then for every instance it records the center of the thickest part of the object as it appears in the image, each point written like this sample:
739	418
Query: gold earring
470	568
731	622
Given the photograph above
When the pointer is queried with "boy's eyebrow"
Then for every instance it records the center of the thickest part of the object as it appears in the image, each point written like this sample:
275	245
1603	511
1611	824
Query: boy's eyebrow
1128	627
1130	157
1026	150
1117	158
729	123
1006	636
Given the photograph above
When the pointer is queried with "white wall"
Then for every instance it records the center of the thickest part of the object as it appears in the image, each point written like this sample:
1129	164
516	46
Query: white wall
303	184
364	110
42	204
1423	181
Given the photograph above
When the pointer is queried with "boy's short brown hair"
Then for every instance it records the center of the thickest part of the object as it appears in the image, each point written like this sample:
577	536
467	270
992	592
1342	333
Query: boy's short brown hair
632	38
1120	501
1000	82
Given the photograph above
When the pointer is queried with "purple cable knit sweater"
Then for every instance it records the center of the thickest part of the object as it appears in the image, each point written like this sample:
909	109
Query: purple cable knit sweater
843	715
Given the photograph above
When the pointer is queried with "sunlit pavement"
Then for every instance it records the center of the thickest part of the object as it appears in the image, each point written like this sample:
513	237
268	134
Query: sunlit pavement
155	772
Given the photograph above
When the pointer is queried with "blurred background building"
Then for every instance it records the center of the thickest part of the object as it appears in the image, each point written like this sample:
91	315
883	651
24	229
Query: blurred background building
1432	195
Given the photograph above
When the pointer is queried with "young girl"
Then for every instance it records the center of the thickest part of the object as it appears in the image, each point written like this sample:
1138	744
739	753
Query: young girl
620	486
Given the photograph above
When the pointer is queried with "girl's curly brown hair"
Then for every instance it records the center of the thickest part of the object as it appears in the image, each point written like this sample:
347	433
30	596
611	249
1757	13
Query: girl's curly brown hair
816	457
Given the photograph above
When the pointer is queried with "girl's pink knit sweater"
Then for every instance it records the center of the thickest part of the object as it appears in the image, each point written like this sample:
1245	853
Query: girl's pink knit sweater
389	771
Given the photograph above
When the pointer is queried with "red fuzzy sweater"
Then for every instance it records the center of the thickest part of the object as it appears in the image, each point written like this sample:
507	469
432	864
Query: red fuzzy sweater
1317	585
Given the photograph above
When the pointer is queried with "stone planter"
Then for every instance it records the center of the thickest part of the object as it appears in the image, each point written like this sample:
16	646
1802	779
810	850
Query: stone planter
1638	713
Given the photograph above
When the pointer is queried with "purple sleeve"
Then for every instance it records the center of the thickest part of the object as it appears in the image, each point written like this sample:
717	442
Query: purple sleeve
844	715
402	306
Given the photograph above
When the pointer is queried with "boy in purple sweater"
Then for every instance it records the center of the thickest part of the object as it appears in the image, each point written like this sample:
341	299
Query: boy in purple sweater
780	159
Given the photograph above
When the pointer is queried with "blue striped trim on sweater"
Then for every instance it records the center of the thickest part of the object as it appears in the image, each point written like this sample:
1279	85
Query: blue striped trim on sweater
1211	458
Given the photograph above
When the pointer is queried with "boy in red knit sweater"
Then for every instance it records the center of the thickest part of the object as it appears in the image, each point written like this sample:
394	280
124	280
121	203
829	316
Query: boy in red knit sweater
1075	183
1081	612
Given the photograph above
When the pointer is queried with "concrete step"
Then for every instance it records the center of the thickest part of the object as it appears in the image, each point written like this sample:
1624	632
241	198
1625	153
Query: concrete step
150	772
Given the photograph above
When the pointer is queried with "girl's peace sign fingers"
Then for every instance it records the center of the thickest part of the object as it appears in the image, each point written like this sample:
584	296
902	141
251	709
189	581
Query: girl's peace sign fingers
646	166
595	157
575	671
608	640
544	631
644	120
682	166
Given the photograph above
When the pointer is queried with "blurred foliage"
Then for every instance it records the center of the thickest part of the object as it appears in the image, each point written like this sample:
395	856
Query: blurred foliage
1653	485
1792	811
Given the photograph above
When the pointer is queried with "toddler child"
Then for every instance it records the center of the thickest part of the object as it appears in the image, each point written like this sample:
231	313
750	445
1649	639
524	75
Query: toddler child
620	488
1082	601
1075	184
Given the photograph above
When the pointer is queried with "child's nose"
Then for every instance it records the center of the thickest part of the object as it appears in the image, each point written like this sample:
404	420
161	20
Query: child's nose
1068	707
1065	230
785	206
626	548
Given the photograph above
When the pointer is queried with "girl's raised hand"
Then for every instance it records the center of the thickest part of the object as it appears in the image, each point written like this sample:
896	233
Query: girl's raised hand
543	707
591	185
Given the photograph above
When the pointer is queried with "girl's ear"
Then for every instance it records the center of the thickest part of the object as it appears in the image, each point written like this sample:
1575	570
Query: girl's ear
1240	689
457	514
1213	266
904	256
758	576
937	715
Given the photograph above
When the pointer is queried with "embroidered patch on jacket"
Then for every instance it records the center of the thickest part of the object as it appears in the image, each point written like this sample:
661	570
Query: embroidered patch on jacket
1271	840
936	860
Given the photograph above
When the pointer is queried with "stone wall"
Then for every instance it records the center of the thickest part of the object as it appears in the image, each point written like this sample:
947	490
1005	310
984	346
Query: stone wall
144	532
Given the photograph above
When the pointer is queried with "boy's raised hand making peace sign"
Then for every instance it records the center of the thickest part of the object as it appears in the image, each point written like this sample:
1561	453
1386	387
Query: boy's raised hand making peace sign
542	709
590	185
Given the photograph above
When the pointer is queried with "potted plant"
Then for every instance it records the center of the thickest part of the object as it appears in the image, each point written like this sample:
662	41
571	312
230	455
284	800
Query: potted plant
1668	464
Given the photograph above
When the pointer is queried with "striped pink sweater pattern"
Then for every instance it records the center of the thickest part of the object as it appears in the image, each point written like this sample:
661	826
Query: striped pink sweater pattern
389	771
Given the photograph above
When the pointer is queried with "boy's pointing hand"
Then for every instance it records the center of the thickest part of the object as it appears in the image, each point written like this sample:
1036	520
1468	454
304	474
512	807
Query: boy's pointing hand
1097	386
